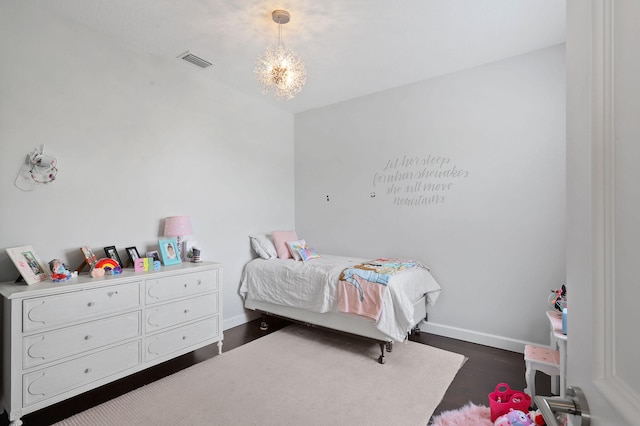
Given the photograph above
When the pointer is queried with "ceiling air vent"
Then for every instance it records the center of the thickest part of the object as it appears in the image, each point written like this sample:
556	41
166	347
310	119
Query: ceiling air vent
195	60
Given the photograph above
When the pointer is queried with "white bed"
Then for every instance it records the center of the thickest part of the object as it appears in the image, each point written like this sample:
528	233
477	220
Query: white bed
307	292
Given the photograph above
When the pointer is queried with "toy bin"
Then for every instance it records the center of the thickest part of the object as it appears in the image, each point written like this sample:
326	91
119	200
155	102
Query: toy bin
504	399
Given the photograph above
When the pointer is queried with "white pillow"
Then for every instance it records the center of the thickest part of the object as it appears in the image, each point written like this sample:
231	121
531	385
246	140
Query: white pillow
294	246
263	246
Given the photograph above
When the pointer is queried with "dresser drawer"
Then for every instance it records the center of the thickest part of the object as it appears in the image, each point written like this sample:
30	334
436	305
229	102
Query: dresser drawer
182	311
71	307
183	285
180	338
55	380
45	347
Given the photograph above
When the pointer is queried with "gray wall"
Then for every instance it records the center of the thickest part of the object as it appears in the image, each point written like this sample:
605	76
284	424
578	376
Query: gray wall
493	231
138	138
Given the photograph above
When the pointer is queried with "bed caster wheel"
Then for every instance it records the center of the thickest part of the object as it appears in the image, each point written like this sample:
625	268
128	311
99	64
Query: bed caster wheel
389	346
381	359
264	326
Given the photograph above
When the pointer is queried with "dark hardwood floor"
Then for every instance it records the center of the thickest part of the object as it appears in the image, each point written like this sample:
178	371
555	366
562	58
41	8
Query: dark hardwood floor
484	369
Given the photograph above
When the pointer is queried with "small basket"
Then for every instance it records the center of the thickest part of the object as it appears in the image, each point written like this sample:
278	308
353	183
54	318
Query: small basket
504	399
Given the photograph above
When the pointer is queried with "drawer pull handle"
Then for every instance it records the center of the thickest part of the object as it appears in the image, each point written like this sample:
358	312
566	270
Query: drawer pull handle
199	282
186	311
87	370
184	337
87	337
90	304
185	286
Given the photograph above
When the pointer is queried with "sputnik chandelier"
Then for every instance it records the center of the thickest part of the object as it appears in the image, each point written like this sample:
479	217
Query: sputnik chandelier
280	69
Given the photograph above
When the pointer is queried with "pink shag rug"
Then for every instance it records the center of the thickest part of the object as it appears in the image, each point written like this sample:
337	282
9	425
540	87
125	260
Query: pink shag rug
469	415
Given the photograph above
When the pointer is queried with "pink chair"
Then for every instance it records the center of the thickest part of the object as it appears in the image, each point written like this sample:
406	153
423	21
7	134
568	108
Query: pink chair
537	358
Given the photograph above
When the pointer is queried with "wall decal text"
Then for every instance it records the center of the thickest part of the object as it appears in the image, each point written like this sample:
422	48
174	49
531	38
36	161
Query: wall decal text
418	181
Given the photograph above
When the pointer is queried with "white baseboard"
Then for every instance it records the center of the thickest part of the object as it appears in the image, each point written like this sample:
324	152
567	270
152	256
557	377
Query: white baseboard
486	339
240	319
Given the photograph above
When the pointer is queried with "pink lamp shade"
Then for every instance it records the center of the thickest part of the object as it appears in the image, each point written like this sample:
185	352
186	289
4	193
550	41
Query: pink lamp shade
177	226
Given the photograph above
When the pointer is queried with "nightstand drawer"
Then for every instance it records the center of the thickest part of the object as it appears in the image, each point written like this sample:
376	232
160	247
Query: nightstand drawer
45	347
179	312
52	381
167	288
180	338
44	312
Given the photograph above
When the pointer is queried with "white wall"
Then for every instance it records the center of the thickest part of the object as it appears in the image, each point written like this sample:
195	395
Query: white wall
138	138
494	236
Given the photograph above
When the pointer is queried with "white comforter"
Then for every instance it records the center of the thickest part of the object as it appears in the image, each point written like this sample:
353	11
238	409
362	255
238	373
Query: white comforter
312	285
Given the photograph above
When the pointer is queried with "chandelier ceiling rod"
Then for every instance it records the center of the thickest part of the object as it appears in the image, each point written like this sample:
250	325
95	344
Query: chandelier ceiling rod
280	17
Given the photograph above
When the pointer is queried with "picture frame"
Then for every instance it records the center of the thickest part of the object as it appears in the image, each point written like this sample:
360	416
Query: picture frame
169	251
28	264
89	257
112	253
132	253
154	254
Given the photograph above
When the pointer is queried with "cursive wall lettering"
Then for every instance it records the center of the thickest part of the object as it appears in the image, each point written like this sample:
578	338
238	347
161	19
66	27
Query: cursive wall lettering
419	181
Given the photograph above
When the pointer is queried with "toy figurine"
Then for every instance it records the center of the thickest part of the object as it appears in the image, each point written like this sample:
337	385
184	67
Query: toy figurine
558	298
59	271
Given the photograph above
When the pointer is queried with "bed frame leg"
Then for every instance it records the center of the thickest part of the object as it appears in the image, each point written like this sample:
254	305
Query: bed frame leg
263	324
389	346
381	359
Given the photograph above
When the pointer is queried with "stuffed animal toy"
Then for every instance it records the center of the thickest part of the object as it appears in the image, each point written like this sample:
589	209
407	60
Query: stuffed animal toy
537	418
514	418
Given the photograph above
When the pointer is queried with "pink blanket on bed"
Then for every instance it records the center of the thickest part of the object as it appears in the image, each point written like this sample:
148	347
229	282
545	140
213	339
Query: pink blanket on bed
371	304
361	288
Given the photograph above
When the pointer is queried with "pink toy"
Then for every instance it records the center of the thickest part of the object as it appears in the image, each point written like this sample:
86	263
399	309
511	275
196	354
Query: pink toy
514	418
97	272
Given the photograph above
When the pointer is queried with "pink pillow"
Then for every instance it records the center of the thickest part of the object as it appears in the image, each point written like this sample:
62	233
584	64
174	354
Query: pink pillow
280	239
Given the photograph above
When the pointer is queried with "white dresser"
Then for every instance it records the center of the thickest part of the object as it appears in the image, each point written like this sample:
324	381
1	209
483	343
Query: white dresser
62	339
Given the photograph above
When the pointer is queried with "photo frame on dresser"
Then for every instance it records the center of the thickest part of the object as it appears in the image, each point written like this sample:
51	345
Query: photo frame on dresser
154	254
112	253
169	251
132	253
89	257
31	268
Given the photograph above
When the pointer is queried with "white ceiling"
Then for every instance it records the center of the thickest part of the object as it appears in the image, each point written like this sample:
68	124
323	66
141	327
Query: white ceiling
350	47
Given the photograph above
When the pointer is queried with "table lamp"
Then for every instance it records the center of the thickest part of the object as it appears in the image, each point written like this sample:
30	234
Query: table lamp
178	226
